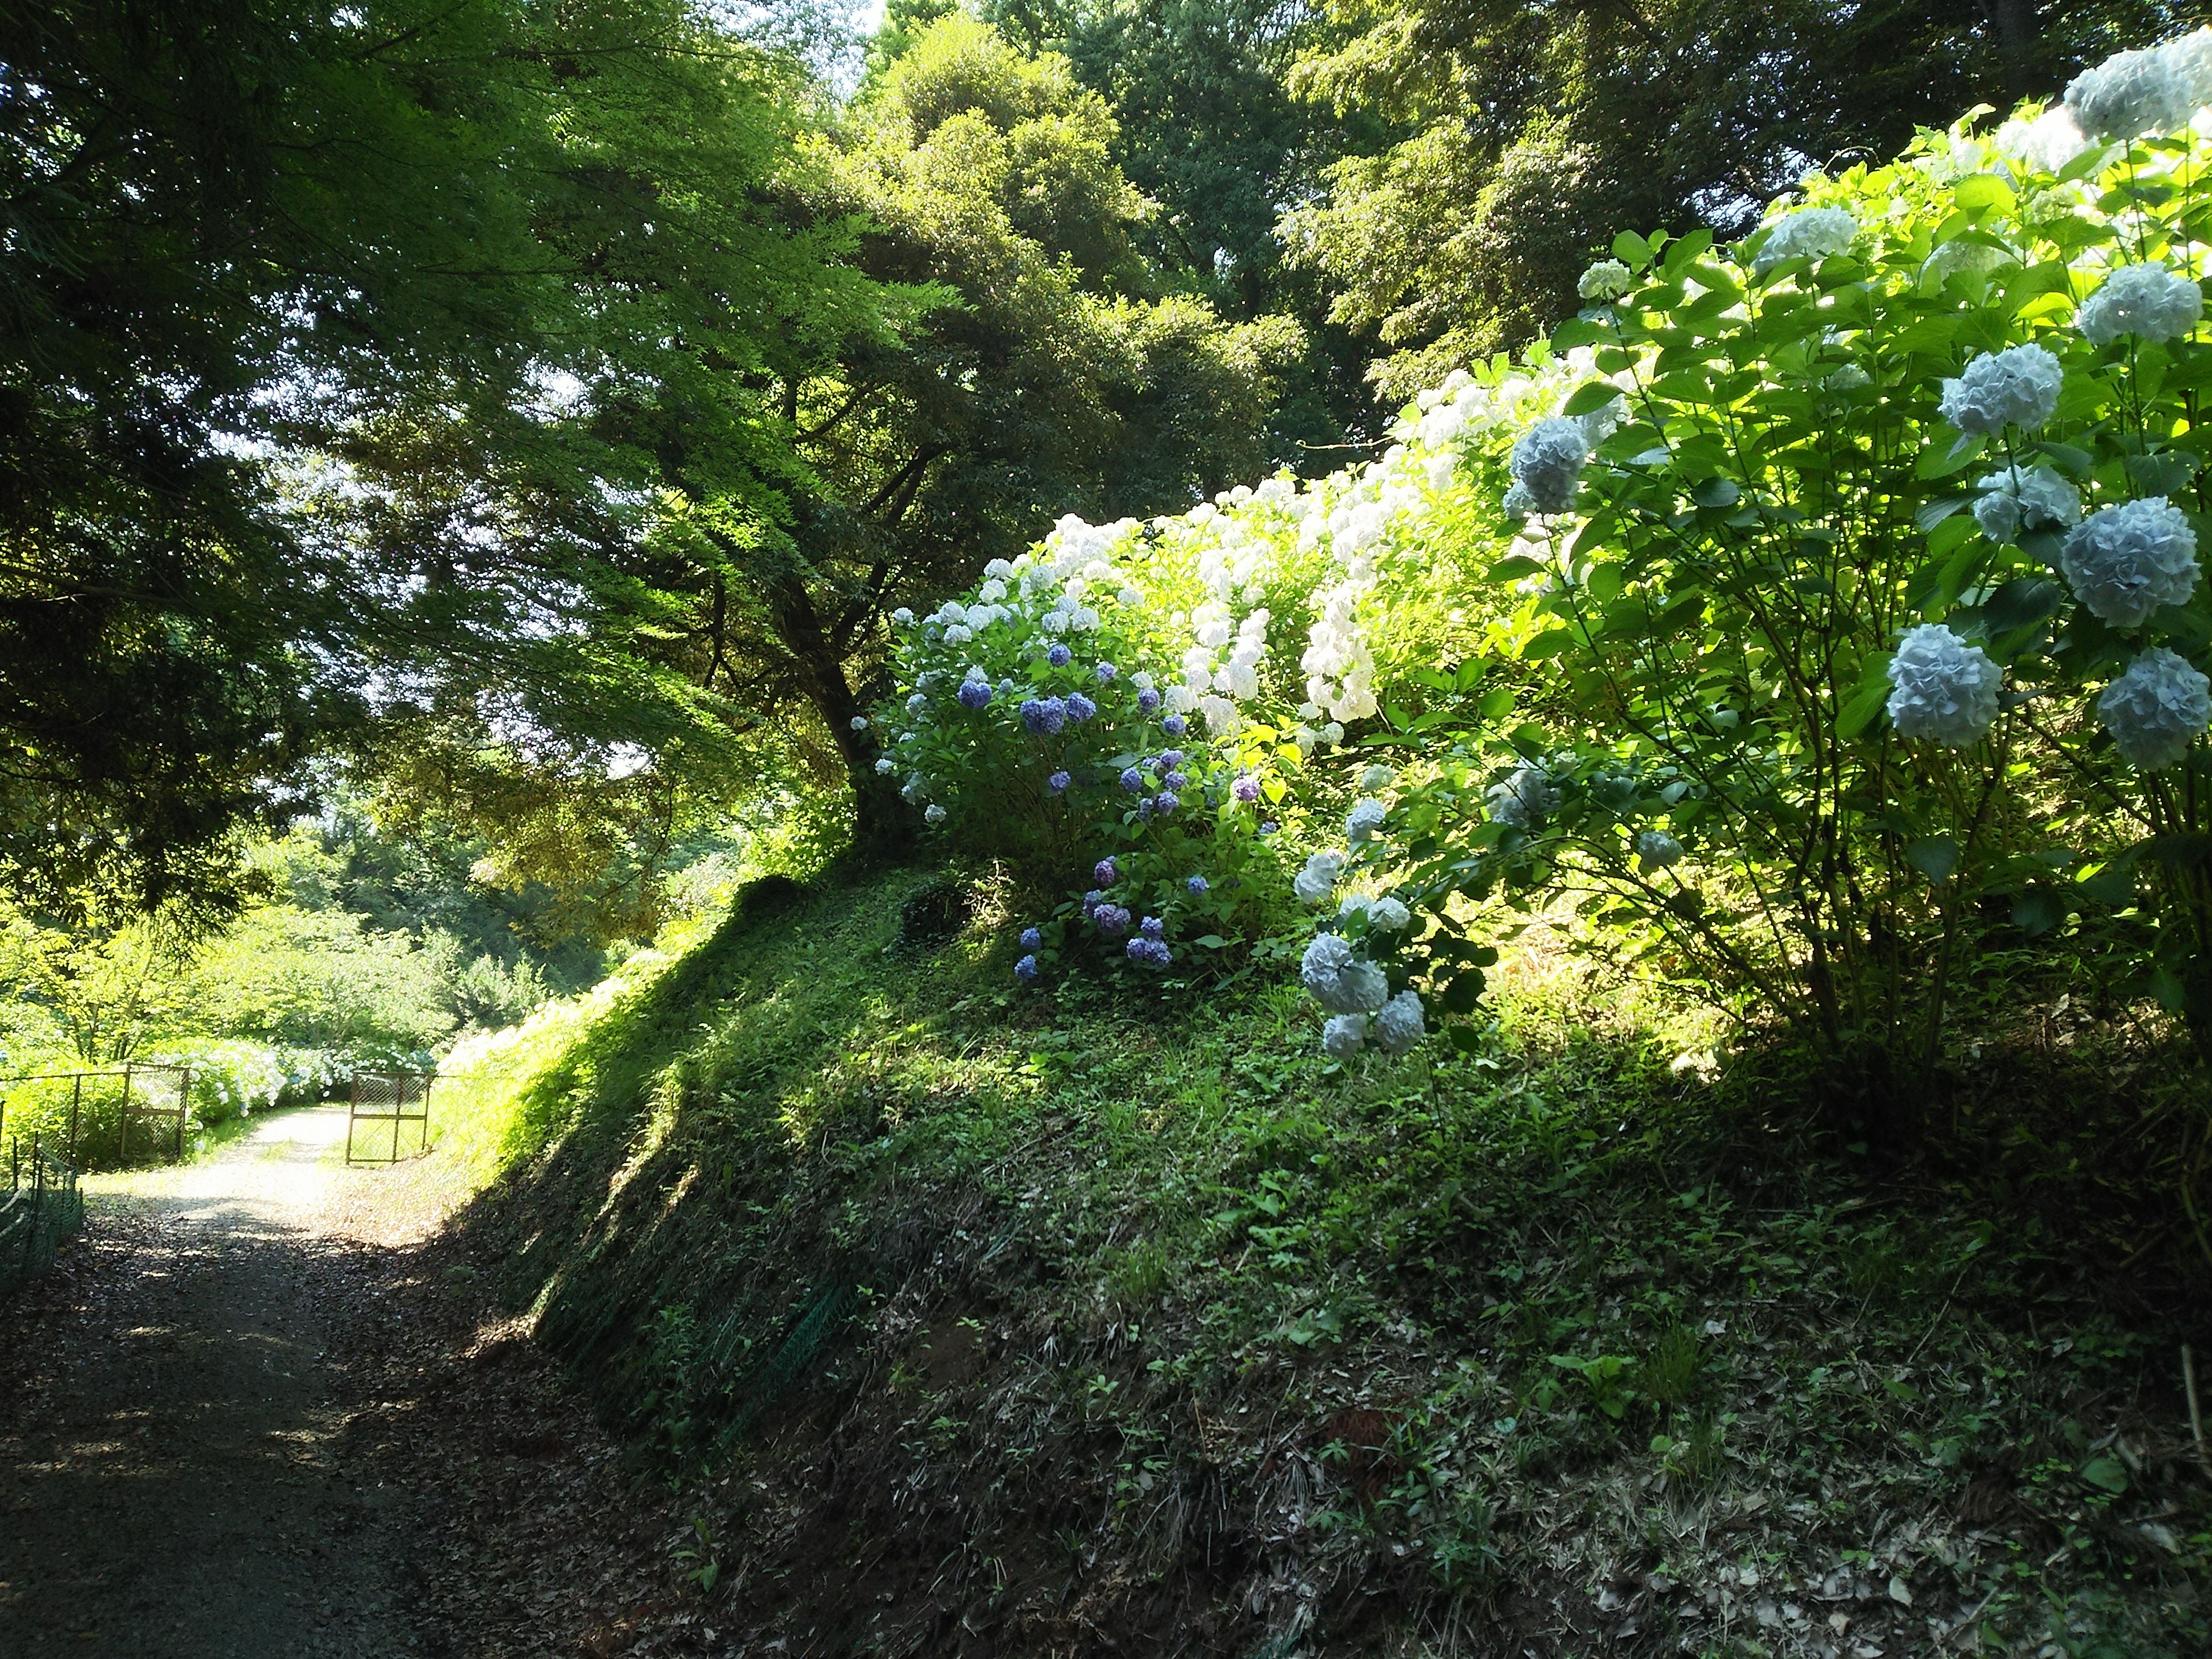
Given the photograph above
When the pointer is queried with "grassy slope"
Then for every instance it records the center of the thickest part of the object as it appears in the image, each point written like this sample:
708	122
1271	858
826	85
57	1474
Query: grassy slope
1010	1325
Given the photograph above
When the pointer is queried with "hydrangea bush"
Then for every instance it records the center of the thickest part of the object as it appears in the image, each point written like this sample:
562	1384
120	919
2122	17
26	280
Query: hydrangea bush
1875	611
1804	610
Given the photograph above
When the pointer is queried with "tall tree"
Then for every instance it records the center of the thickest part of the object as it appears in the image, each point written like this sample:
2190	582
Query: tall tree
1526	135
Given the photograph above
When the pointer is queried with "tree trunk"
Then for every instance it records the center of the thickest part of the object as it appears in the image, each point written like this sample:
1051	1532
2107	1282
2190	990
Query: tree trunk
883	823
2016	40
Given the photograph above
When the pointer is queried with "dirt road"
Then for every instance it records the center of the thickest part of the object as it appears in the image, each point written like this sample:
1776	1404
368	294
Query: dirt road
173	1473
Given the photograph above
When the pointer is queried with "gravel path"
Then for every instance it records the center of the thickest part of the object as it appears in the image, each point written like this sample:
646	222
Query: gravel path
176	1474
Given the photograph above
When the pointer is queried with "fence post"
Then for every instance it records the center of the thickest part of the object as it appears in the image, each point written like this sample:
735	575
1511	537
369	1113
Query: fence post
184	1104
76	1100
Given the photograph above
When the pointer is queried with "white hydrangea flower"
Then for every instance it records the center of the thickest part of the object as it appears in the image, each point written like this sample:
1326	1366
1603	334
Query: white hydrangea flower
2125	561
1522	799
1344	1036
2018	386
2025	498
992	591
1547	463
1221	717
2047	144
903	617
998	571
1339	980
1389	914
958	634
860	722
885	766
1656	850
2155	709
1943	689
916	703
1807	234
1398	1025
1366	817
2146	299
1317	880
1143	681
1607	280
2133	93
1376	777
1083	620
933	813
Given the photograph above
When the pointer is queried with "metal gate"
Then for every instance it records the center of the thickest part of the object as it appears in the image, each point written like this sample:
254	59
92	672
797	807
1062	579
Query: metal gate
399	1098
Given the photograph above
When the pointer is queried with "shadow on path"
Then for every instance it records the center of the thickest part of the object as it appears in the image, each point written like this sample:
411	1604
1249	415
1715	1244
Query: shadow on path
175	1479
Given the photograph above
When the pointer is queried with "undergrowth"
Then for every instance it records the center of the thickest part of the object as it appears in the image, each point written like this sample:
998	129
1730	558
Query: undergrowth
979	1323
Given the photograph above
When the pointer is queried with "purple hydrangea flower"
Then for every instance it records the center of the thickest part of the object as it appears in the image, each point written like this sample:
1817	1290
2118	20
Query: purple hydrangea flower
1166	801
1105	672
1044	717
1145	809
973	694
1269	827
1152	927
1059	656
1177	780
1133	781
1148	701
1007	687
1026	969
1106	873
1170	757
1174	726
1198	885
1149	952
1058	782
1112	920
1246	789
1032	939
1080	708
1092	900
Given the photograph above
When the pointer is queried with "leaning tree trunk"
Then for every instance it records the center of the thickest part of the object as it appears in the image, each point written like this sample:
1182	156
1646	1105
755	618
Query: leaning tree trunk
883	823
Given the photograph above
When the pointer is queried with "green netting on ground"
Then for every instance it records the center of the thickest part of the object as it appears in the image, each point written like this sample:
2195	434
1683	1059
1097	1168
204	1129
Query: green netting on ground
41	1207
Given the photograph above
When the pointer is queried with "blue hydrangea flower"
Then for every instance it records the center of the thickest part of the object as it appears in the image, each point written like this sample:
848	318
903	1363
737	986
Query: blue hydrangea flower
1106	873
1145	809
1174	726
1105	672
1007	687
1152	927
1092	900
1026	969
1166	802
1080	708
1059	656
1246	789
1111	920
1133	781
1269	827
1033	714
1150	953
1177	780
1198	885
1169	757
1032	939
1058	782
1148	701
1045	717
973	694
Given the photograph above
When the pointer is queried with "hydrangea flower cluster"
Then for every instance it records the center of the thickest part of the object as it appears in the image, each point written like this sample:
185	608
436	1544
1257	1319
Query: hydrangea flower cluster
2156	710
1547	465
1606	281
2025	498
2157	90
2126	561
1808	234
1656	850
1523	798
2018	386
1943	691
2145	299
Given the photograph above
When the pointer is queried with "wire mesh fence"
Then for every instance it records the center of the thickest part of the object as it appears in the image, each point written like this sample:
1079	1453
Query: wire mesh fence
397	1100
102	1119
41	1205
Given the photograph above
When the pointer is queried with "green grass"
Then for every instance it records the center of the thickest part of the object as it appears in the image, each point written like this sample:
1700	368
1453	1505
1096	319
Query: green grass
1088	1311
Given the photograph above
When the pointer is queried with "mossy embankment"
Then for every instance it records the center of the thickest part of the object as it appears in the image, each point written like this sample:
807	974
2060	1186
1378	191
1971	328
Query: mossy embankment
985	1322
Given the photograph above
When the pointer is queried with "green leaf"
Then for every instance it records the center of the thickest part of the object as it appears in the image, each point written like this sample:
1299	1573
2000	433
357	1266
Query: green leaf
1935	462
1682	251
1865	704
2037	911
1933	512
1590	397
1935	857
1632	250
1464	991
2107	1473
1716	492
1983	191
1209	941
1513	568
2022	602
